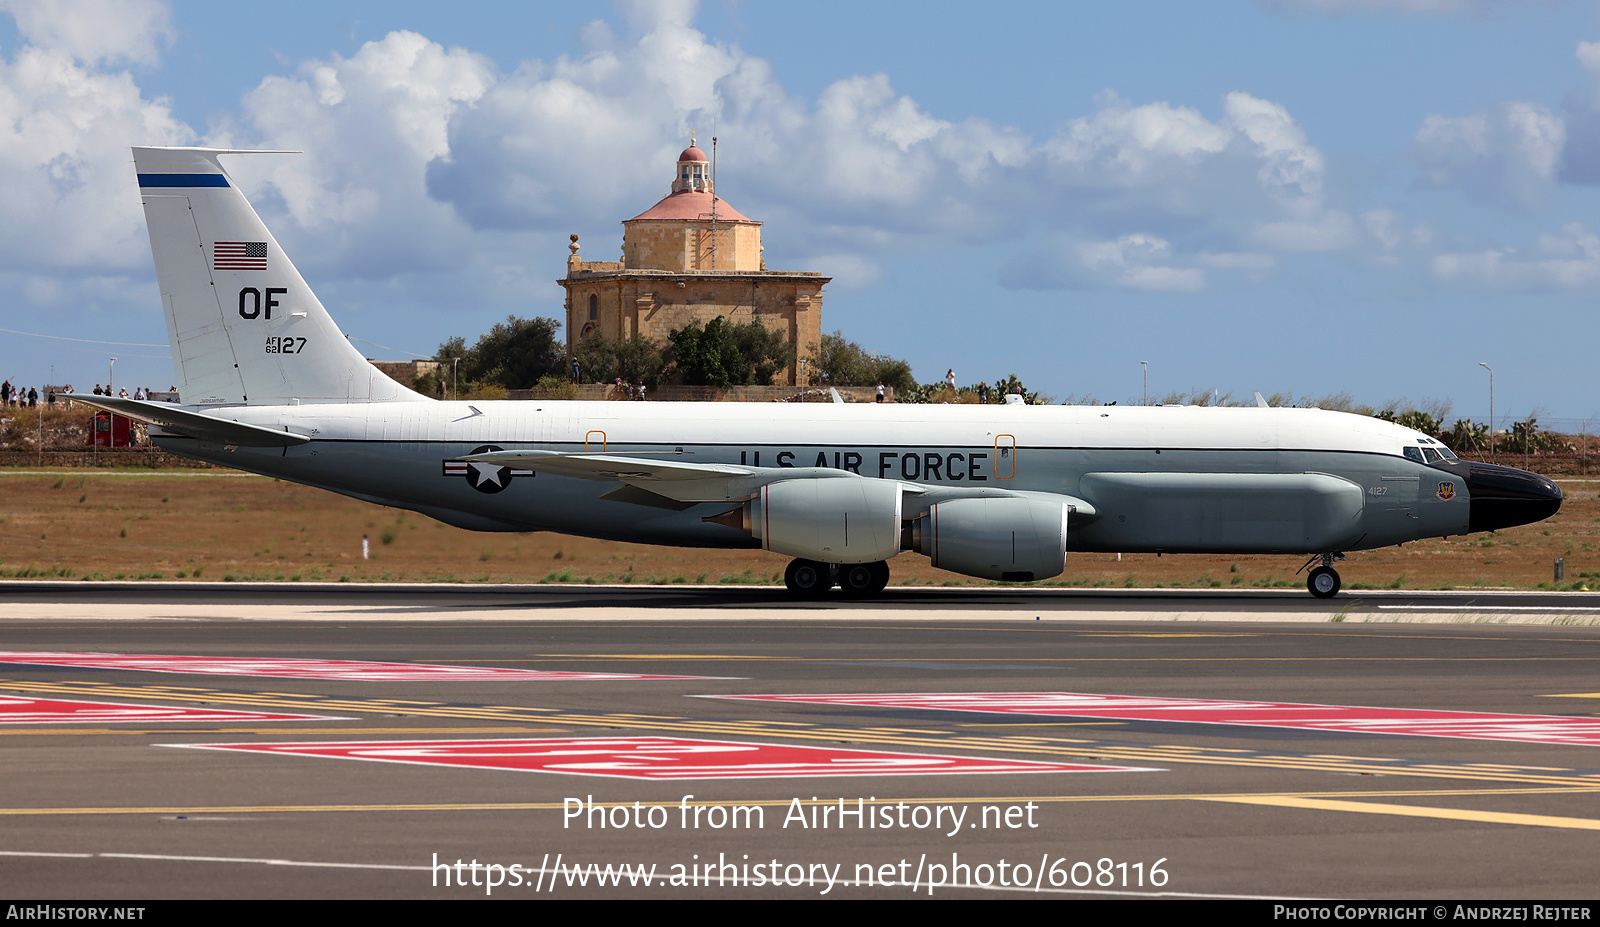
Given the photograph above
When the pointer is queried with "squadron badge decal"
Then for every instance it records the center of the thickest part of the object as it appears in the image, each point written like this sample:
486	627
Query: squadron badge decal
1447	490
481	476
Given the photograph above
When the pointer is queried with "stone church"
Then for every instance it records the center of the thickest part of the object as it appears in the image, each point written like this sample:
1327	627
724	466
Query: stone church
691	257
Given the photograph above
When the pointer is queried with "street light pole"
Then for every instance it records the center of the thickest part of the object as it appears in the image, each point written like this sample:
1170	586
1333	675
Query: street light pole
1491	404
1146	366
111	375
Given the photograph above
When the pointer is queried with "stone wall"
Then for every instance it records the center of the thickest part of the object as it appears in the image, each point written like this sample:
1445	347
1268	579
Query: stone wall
685	247
405	373
102	459
655	304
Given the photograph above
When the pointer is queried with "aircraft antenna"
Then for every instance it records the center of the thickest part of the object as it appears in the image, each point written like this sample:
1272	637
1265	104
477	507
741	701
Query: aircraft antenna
713	202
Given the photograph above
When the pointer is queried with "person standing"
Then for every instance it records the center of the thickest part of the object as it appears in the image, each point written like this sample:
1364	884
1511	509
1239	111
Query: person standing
880	390
950	379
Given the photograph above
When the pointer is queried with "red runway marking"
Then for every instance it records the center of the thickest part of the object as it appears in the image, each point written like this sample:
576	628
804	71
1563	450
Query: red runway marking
359	670
658	758
15	710
1348	718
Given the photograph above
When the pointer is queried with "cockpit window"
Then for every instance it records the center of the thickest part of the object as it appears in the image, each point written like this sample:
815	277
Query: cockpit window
1413	452
1448	454
1431	454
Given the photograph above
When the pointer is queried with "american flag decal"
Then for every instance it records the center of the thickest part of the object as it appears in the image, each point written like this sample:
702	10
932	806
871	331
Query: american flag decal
239	255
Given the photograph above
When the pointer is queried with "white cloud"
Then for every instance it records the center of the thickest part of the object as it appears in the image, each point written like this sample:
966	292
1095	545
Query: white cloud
1395	241
849	271
1589	57
1247	261
65	131
1581	157
1140	262
95	32
1566	261
369	125
1251	177
1137	262
1328	230
1289	166
1509	155
1129	145
422	158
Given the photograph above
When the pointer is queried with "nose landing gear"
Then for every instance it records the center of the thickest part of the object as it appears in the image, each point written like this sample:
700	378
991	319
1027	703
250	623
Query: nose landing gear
1323	582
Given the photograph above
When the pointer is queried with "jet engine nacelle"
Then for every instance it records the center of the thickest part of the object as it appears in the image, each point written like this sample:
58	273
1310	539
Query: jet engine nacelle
830	521
1016	540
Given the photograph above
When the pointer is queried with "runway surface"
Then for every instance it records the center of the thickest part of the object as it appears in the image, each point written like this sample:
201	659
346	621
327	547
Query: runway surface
1223	744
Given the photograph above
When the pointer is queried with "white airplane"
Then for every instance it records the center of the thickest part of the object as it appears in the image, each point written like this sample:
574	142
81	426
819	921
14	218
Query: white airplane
271	385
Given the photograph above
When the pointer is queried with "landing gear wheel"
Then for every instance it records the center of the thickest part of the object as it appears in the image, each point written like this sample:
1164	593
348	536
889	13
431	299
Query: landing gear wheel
808	578
880	577
1323	582
858	580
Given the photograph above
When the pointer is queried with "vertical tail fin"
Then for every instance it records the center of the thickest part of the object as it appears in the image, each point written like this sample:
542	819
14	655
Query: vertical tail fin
244	326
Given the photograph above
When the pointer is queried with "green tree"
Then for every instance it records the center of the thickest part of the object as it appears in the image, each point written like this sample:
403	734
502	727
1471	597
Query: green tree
514	354
1419	421
844	363
1466	437
729	355
601	360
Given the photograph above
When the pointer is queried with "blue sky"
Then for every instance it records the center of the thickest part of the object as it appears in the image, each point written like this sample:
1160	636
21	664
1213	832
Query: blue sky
1303	196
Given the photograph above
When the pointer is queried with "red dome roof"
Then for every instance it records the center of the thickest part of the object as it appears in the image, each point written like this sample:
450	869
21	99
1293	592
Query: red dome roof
692	204
693	153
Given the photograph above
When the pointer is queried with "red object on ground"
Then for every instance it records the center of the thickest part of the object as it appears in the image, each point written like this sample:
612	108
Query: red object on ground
658	758
18	710
359	670
1352	719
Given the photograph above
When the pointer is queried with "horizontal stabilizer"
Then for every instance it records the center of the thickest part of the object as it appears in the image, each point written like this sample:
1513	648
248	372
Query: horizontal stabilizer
191	424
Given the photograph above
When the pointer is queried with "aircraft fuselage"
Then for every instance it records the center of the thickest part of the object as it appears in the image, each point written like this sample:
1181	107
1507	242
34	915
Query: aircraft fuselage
1178	480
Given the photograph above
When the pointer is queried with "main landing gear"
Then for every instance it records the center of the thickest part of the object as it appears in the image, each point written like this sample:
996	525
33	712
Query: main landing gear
1323	582
811	579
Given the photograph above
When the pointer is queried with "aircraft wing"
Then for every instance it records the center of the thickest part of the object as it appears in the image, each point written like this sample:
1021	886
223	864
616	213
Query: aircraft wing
685	482
191	424
612	466
676	480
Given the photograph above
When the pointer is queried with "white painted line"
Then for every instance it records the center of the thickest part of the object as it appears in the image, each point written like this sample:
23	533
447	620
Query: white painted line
260	862
1493	608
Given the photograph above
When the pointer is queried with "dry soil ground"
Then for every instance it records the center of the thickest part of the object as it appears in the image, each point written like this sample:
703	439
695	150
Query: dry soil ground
219	525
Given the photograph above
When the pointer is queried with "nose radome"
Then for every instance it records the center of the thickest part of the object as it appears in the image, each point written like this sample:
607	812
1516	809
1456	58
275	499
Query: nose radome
1503	497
